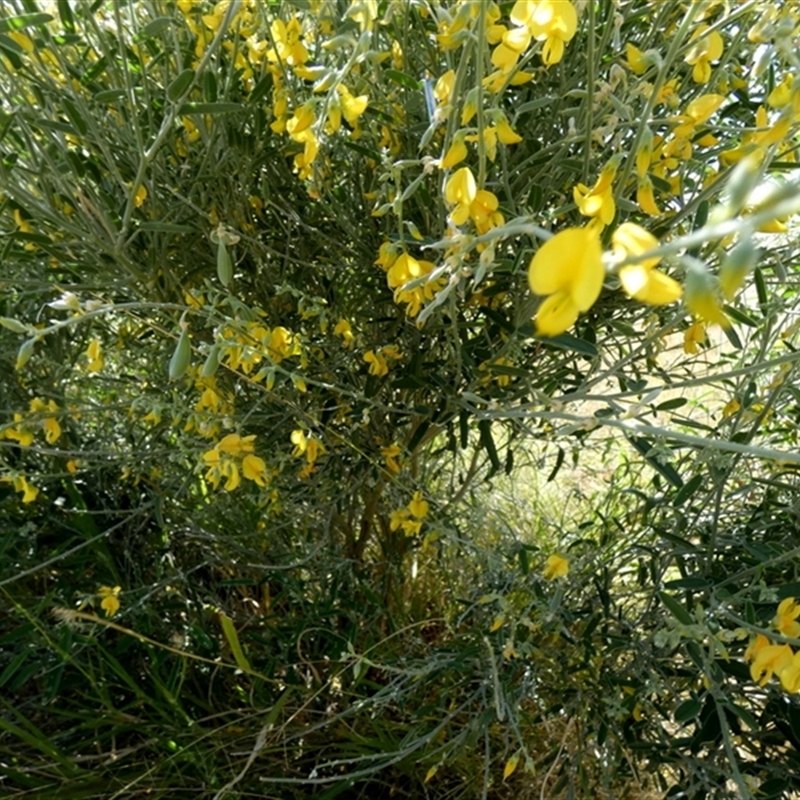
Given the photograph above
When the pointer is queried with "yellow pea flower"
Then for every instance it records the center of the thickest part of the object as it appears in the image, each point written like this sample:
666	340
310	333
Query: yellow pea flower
418	507
95	356
505	133
707	48
598	202
459	191
641	281
701	298
645	197
553	22
343	329
790	675
109	599
377	363
569	269
768	660
254	469
556	567
456	153
693	336
786	618
390	455
352	107
443	89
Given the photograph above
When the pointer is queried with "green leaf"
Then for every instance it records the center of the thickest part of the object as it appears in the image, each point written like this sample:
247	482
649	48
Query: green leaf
687	710
675	608
75	116
687	490
761	288
644	447
740	316
24	21
566	341
65	12
403	79
485	428
694	583
178	87
671	405
229	629
153	28
209	108
109	96
165	227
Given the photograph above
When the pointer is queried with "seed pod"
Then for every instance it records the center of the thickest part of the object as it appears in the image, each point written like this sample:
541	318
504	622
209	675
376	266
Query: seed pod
13	325
24	354
211	364
179	362
224	265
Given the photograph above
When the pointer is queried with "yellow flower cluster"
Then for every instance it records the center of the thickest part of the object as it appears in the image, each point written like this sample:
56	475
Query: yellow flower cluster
246	346
231	458
552	22
410	518
767	659
401	269
309	447
42	415
568	270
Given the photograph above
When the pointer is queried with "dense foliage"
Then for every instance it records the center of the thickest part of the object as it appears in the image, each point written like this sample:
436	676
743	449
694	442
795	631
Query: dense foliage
316	316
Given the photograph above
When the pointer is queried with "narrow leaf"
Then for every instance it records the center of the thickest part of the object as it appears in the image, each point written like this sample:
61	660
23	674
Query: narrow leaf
229	629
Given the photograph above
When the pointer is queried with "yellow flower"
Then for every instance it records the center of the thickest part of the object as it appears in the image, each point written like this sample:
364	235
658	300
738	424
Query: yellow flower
553	22
29	493
443	88
95	355
459	191
641	281
757	644
377	363
645	197
390	454
700	110
110	599
298	439
707	48
786	618
568	268
768	660
455	154
254	469
556	567
140	196
418	507
505	133
598	202
790	675
636	59
352	107
344	330
701	298
693	336
236	445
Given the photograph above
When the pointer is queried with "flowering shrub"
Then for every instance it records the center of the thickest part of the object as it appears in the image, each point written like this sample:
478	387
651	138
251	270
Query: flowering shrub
286	284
